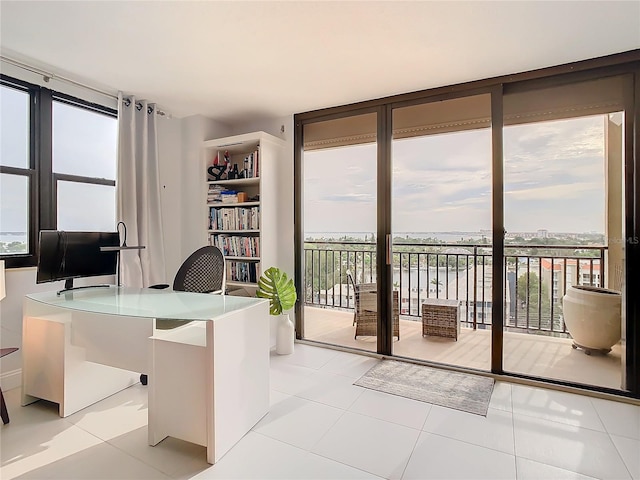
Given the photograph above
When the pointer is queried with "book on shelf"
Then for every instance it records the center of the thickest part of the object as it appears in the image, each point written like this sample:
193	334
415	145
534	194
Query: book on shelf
248	162
229	196
214	195
234	218
250	165
247	272
236	246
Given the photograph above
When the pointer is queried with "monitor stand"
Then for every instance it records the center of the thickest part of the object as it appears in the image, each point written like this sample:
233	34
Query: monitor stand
68	286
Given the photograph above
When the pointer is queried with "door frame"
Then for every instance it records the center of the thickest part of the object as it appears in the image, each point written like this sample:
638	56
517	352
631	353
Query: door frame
617	64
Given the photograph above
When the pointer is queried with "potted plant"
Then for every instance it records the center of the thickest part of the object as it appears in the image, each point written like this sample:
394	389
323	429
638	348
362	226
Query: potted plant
275	286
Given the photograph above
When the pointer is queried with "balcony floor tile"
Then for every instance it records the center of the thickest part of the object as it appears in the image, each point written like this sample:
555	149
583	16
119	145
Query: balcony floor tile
530	354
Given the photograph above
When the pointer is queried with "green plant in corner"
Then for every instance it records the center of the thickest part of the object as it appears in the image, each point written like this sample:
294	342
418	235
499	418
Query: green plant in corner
275	286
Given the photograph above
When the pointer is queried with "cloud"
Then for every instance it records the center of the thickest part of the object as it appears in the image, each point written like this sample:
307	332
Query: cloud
554	178
554	192
350	197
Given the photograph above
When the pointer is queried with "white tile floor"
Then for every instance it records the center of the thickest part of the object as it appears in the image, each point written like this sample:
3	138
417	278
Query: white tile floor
321	426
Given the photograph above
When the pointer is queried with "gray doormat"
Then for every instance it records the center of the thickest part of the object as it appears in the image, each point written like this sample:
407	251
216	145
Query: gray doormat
462	391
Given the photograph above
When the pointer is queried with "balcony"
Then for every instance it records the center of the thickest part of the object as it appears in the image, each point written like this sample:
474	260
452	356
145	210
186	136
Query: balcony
536	341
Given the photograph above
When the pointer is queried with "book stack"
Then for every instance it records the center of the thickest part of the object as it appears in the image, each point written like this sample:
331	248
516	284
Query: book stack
248	272
251	165
237	246
232	218
214	195
229	196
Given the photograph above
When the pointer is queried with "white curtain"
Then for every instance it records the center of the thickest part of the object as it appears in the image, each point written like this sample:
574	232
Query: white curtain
138	186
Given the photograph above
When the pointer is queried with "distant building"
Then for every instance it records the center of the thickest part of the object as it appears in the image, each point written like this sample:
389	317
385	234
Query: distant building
474	289
340	295
560	274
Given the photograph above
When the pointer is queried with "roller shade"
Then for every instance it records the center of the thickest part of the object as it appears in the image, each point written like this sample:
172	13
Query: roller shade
341	132
466	113
567	101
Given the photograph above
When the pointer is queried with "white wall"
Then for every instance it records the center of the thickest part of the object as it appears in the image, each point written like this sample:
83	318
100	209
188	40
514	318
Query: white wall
183	191
285	227
193	211
281	128
183	194
169	157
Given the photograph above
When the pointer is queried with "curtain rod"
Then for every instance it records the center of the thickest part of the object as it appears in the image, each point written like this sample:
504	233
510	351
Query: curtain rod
48	76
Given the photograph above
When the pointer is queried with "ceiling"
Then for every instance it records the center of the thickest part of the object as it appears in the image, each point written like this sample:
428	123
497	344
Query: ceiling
236	61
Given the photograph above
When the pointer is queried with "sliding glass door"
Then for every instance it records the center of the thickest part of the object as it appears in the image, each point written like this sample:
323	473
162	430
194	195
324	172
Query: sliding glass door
339	178
477	227
441	219
564	160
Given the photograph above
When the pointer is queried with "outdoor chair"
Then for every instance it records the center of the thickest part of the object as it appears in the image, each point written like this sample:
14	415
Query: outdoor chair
366	310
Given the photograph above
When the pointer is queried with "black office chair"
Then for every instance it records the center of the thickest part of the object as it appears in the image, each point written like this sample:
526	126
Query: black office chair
202	272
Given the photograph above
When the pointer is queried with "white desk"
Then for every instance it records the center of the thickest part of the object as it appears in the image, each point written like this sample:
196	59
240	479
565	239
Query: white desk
208	379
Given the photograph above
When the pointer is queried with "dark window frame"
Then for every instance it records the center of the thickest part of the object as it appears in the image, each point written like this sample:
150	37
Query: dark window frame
625	63
42	180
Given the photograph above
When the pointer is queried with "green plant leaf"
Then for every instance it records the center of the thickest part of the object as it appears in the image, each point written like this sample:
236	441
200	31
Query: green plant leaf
275	286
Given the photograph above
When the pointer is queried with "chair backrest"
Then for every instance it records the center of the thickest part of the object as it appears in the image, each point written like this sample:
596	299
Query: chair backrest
202	272
366	295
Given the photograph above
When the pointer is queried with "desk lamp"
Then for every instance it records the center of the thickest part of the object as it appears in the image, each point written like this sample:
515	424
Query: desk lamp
124	246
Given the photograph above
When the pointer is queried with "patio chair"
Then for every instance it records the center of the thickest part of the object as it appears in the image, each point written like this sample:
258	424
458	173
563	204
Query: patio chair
366	310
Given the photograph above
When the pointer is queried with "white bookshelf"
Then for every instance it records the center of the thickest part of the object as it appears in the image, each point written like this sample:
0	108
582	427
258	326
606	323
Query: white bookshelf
262	193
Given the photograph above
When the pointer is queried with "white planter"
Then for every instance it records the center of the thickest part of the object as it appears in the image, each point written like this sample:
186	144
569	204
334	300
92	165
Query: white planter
285	335
593	317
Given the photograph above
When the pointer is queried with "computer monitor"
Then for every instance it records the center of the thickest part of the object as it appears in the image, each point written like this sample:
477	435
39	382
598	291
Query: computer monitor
67	255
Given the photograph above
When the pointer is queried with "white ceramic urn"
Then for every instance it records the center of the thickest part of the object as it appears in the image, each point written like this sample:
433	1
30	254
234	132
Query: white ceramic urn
593	316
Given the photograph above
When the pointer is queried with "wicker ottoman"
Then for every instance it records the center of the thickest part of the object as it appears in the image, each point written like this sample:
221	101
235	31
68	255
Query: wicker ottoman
441	318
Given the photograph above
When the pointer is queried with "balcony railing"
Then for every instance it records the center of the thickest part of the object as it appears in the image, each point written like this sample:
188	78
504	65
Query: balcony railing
536	278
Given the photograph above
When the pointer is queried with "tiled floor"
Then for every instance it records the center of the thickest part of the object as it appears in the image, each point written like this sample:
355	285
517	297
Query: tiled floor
321	426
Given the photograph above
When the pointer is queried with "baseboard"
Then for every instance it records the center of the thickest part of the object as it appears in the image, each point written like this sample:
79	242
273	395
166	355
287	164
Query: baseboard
10	380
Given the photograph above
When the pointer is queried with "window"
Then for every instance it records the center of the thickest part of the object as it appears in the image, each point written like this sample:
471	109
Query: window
16	170
84	167
57	167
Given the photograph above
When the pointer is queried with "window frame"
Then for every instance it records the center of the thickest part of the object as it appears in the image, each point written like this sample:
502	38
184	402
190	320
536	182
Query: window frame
626	63
43	181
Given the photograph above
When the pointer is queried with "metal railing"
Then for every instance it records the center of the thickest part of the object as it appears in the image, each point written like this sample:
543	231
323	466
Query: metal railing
536	278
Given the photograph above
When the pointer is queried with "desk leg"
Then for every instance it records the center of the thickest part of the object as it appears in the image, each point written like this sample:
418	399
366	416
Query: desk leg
209	381
59	370
176	386
239	347
209	393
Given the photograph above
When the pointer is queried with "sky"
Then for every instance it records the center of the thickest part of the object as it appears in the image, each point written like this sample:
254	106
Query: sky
84	143
554	176
554	180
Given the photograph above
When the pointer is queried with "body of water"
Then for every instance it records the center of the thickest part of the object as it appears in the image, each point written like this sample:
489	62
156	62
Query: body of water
13	237
448	237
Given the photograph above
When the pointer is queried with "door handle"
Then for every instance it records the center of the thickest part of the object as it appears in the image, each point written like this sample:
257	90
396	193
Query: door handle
388	249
